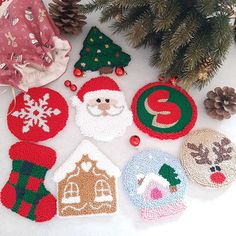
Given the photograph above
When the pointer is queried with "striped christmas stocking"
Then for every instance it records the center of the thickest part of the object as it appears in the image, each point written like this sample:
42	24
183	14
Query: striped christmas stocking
24	192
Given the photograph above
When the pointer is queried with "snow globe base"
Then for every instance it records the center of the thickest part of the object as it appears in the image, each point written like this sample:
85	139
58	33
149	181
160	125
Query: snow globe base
163	211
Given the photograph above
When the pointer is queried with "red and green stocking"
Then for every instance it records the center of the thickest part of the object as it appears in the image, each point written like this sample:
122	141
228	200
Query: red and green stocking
24	192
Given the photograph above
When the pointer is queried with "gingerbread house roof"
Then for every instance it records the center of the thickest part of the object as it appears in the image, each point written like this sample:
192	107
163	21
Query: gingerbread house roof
86	148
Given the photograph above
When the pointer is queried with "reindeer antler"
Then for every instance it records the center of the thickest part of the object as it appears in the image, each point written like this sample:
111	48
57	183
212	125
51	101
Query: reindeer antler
200	155
222	152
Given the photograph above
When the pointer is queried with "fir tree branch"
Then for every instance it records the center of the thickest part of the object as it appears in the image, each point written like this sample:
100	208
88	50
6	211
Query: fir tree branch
183	34
206	8
166	18
130	3
109	12
159	7
95	5
179	36
129	19
140	29
185	31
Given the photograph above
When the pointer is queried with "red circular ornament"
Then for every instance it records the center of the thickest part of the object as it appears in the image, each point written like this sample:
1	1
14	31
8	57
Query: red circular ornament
73	88
164	111
67	83
78	72
120	71
37	115
134	140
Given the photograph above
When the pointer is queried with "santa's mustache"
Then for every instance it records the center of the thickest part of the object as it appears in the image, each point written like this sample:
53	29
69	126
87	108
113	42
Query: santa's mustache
113	111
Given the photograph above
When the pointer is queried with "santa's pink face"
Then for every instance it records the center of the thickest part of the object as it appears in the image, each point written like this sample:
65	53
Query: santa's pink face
102	106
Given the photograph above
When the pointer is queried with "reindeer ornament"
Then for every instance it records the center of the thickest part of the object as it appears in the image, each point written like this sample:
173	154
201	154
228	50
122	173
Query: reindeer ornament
209	158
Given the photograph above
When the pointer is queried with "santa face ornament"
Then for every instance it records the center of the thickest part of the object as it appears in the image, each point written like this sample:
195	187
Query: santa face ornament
209	158
101	110
155	183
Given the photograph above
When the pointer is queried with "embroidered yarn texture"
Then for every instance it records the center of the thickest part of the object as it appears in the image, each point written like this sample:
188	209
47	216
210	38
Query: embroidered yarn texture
37	115
24	192
99	52
101	110
164	111
87	183
209	158
155	183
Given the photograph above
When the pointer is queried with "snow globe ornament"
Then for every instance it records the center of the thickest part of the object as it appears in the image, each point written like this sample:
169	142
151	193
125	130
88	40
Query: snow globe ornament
209	158
37	115
155	183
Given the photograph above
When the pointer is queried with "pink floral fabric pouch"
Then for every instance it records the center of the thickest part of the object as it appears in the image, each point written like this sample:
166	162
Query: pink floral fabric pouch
32	53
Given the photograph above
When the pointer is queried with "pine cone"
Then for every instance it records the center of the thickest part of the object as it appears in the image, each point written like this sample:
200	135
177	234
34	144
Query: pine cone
205	68
65	14
221	103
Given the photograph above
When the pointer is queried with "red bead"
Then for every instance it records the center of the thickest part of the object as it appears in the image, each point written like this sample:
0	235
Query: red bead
73	88
78	72
134	140
120	71
67	83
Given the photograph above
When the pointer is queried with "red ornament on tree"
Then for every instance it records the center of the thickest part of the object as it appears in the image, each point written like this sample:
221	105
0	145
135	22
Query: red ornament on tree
134	140
120	71
78	72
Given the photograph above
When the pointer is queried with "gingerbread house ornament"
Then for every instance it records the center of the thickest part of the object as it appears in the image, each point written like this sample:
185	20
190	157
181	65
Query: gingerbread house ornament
87	183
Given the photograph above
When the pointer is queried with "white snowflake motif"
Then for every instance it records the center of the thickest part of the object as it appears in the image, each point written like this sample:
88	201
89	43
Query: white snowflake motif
36	113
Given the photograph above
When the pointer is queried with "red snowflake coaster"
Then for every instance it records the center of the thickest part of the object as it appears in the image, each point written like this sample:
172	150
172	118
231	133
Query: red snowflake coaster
37	115
164	111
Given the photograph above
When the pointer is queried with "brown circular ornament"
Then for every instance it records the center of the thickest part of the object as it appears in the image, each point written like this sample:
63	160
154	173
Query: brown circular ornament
209	158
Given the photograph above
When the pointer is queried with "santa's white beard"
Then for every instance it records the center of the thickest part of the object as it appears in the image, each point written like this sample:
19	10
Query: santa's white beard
103	128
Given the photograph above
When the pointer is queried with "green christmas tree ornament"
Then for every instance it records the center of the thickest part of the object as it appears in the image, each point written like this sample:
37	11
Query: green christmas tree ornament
99	53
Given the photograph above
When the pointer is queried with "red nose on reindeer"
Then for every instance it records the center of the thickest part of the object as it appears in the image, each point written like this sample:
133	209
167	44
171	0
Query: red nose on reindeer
218	178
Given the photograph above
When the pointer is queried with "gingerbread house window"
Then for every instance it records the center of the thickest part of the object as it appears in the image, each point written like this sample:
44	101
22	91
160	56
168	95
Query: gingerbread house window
102	191
71	194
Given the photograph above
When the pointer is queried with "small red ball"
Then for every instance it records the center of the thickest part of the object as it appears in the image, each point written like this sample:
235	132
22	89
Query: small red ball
134	140
73	88
78	72
120	71
67	83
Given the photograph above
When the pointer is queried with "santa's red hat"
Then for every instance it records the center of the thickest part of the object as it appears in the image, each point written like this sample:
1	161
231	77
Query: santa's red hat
100	87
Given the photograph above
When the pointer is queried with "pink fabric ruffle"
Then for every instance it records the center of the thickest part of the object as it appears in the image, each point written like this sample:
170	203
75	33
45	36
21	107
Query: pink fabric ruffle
27	39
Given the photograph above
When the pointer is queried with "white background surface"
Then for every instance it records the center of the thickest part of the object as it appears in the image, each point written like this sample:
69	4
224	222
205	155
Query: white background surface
209	212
